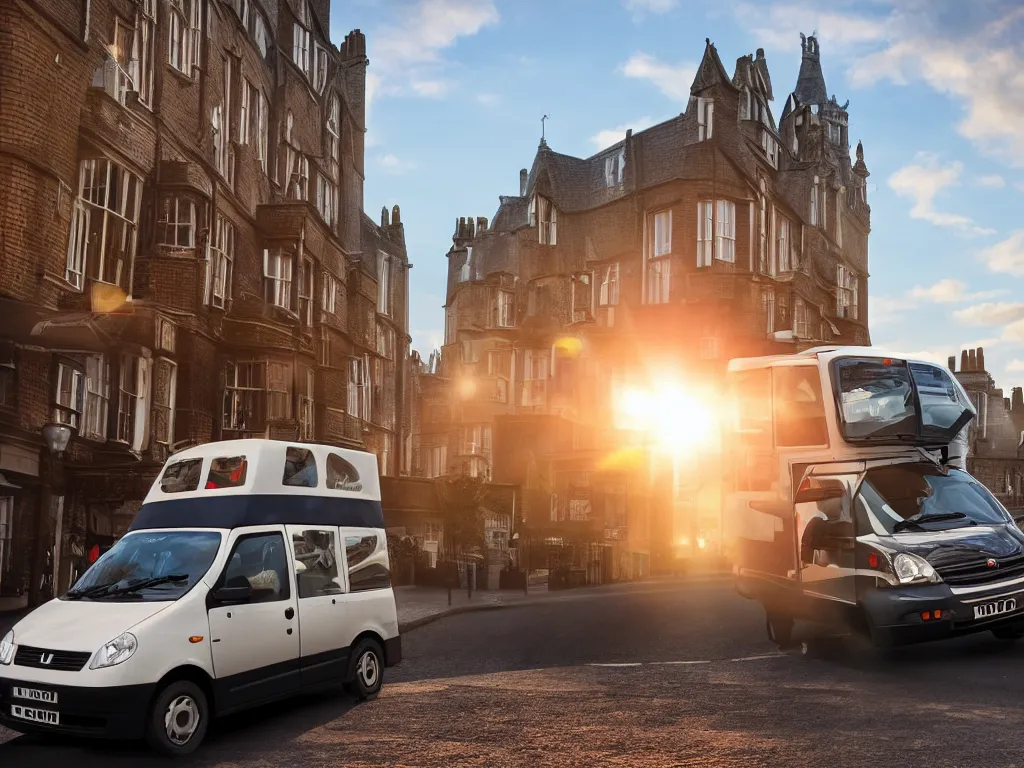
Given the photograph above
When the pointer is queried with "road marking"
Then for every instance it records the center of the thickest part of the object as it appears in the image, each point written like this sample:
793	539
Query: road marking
758	658
704	661
630	664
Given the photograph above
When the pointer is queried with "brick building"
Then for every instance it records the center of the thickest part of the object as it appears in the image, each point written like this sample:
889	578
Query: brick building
995	437
184	257
720	233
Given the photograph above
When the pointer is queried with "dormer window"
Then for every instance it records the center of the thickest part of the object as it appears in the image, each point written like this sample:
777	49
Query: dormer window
545	214
614	169
705	118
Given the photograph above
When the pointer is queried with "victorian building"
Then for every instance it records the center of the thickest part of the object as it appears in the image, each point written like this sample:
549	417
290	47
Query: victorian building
723	232
184	258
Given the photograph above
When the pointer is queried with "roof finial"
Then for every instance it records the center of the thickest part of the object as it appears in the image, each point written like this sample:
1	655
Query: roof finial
543	120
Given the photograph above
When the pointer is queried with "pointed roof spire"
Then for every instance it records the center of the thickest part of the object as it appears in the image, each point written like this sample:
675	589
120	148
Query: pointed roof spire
711	71
810	83
860	167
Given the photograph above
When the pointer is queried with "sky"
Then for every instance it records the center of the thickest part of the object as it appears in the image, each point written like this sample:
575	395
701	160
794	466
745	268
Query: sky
457	89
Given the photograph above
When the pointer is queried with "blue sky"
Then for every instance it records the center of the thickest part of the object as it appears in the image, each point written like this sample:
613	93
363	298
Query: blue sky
936	90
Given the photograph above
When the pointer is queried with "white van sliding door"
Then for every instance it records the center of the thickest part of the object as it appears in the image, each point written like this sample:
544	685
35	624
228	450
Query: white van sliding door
255	639
320	582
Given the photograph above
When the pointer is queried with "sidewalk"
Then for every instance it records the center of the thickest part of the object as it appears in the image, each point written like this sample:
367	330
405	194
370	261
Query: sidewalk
421	605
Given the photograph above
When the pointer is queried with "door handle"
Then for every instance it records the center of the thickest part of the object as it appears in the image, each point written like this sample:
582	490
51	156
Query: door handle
289	613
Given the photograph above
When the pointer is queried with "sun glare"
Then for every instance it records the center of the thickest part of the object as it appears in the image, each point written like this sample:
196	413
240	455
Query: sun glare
670	415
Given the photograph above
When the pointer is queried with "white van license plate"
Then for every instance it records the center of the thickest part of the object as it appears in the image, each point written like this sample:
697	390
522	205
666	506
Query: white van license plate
46	716
988	610
33	694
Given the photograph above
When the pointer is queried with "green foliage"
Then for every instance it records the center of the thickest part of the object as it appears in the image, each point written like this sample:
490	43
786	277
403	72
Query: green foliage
461	500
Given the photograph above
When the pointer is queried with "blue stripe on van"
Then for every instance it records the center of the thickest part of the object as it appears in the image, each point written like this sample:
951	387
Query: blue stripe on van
236	511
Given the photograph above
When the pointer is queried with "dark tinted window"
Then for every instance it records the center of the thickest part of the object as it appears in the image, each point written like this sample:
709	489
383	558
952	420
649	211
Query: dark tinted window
261	562
182	476
919	490
367	565
227	472
799	410
316	563
300	468
340	473
875	398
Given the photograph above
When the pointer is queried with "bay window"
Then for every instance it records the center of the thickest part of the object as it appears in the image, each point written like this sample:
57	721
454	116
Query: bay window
306	291
277	277
69	393
220	262
847	292
658	258
175	227
97	398
716	235
131	391
255	393
186	35
105	216
143	51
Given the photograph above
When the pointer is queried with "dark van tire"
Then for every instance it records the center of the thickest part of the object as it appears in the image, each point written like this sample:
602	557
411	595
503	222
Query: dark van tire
178	719
366	670
1011	633
780	628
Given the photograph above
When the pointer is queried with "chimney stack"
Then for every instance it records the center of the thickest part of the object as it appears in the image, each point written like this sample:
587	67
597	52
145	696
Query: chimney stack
951	363
524	177
963	360
981	358
972	360
1017	400
481	224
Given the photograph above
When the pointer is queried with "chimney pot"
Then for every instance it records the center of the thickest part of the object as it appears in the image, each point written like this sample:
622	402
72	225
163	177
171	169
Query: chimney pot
981	358
972	359
524	177
963	360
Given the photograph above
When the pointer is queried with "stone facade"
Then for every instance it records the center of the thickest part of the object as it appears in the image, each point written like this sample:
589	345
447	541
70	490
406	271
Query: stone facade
184	257
995	437
720	233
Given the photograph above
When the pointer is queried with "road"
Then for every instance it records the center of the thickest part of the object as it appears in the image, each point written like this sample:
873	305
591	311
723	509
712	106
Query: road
656	674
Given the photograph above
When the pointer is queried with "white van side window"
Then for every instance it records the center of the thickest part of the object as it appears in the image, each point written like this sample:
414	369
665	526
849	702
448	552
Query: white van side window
227	472
300	468
316	563
341	475
259	561
367	563
182	476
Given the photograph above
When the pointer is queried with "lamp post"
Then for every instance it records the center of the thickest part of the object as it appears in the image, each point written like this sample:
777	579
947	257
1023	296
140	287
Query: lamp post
56	437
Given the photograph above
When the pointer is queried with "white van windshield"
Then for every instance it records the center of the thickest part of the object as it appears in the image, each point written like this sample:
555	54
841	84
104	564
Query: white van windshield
149	565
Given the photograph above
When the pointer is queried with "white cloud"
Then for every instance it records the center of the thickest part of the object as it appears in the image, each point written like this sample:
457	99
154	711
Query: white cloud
991	181
948	291
673	80
604	139
407	56
639	7
488	99
1006	256
779	26
884	310
922	181
991	313
394	165
1015	365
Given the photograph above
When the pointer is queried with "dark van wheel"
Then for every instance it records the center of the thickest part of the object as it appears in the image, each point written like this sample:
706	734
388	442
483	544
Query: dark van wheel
178	719
1013	632
366	671
780	629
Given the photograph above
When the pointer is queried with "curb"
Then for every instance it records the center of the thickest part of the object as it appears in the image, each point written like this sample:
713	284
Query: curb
409	626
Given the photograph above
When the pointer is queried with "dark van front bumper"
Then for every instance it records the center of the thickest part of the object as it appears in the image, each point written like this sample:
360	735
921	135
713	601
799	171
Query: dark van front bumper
106	713
895	615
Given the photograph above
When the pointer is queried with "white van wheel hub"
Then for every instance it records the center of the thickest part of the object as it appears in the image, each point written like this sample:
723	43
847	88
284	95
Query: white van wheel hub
368	669
181	719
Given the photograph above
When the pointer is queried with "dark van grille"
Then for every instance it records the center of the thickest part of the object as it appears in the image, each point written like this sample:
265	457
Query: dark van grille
64	661
979	572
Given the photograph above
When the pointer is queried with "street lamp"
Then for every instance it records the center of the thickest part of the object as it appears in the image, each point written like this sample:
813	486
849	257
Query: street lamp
56	437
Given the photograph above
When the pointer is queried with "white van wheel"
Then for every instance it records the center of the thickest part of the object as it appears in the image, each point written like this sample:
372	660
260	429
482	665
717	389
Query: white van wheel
178	719
367	670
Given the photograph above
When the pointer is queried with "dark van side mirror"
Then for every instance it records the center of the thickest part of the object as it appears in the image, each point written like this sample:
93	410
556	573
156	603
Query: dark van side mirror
233	594
819	490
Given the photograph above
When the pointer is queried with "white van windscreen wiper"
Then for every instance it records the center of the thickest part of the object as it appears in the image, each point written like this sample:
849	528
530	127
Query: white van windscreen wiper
916	520
108	590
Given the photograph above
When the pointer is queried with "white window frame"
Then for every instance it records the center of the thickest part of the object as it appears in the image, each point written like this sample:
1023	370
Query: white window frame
298	174
783	242
325	198
319	62
547	221
847	292
800	318
176	228
121	60
275	393
220	261
705	118
506	307
262	129
384	283
305	290
768	306
132	399
91	207
170	405
245	111
329	296
186	35
278	269
815	203
69	412
608	291
141	68
97	398
301	48
723	246
659	260
334	134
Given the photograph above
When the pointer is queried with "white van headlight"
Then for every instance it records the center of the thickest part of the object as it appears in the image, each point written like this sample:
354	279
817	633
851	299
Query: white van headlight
117	651
912	569
7	648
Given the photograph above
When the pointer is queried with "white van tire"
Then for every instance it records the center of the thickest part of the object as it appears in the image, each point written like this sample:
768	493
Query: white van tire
366	670
178	719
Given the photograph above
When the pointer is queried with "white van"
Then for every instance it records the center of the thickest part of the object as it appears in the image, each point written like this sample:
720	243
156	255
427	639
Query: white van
255	569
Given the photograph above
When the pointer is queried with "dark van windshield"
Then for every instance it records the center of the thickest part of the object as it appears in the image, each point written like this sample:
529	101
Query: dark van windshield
905	496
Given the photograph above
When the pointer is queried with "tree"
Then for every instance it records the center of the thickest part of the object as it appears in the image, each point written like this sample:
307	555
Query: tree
461	502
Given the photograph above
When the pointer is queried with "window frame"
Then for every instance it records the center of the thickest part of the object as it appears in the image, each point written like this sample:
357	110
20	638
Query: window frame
278	286
220	260
177	223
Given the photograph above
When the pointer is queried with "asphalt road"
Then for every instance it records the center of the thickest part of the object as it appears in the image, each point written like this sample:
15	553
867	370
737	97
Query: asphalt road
658	674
